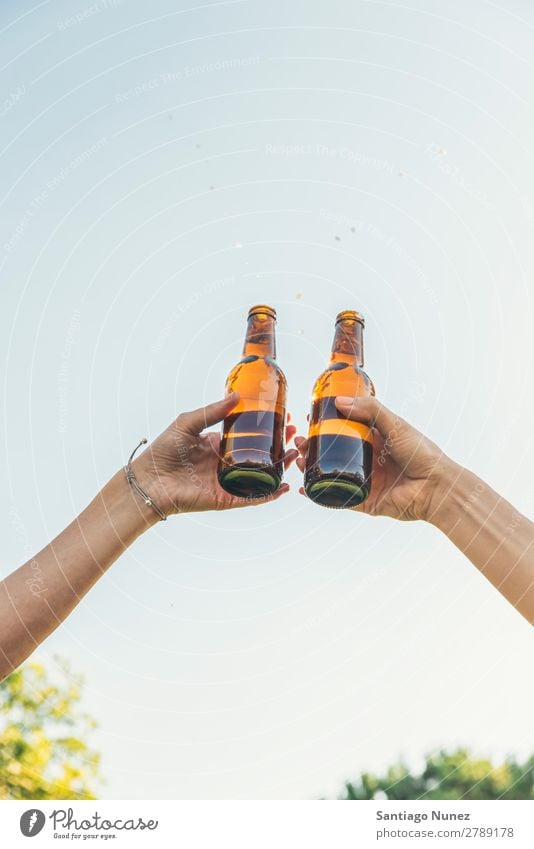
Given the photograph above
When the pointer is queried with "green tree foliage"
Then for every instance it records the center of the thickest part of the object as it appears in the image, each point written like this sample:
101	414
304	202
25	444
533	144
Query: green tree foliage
448	775
43	753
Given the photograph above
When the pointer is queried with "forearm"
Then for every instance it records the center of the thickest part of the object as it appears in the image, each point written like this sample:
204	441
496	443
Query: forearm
38	596
497	539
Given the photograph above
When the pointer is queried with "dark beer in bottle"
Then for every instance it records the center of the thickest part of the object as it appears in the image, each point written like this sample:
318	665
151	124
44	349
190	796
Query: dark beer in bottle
252	446
340	452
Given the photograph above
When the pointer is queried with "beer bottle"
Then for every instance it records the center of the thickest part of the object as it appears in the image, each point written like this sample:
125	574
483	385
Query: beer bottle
252	450
340	451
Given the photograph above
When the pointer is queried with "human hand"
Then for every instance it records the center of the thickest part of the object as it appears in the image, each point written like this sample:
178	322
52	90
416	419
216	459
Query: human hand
410	473
179	469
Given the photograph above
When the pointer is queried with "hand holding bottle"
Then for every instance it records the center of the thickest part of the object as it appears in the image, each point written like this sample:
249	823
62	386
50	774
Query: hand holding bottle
410	473
179	469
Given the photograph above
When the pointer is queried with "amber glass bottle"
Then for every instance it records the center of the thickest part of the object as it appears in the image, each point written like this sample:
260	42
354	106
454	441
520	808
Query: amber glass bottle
340	452
252	446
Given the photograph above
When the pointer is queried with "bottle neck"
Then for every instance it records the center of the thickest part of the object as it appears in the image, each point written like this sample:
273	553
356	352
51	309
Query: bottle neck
260	338
348	343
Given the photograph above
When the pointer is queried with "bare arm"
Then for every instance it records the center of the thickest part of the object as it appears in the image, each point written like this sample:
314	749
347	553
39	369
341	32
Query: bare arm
179	471
495	537
39	595
414	479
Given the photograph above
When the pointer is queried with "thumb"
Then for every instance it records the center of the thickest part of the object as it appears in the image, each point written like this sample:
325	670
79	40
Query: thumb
197	420
404	442
368	410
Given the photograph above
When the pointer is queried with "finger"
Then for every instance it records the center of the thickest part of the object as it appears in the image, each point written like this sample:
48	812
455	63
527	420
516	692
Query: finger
283	490
301	490
301	464
370	411
290	432
302	444
197	420
290	457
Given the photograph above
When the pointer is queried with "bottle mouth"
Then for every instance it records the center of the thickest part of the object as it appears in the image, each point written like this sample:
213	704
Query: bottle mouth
350	315
264	309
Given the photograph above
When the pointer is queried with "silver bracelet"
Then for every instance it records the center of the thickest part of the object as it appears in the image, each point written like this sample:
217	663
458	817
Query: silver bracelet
132	480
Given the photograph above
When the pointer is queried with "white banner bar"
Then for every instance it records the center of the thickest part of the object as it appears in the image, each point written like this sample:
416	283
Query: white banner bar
269	825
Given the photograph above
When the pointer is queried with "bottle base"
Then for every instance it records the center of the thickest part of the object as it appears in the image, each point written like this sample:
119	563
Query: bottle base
337	493
249	483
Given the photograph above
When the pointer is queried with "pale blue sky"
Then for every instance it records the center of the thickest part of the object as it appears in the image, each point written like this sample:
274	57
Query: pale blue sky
164	169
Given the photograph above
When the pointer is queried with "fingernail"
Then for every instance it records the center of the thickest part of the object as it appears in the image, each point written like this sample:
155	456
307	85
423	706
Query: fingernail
346	400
